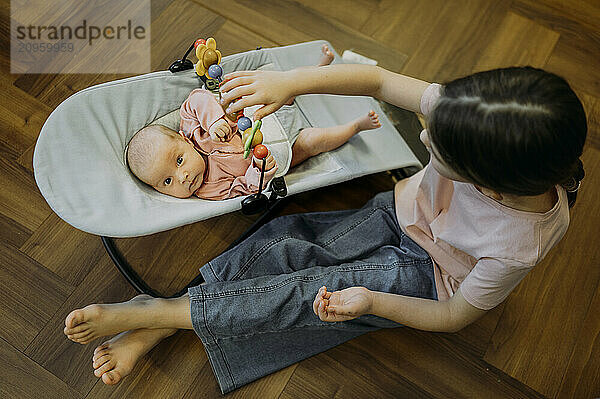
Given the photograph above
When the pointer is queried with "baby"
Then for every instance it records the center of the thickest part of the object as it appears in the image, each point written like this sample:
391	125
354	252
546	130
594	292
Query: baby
205	158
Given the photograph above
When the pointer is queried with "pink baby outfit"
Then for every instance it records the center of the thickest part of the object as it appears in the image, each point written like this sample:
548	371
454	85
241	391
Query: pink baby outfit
227	173
477	244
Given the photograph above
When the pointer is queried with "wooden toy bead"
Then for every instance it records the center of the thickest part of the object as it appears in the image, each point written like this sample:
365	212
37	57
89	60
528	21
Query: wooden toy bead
260	151
258	137
210	57
244	123
215	71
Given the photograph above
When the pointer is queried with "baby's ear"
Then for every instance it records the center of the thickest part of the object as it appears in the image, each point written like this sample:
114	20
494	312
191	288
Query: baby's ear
187	139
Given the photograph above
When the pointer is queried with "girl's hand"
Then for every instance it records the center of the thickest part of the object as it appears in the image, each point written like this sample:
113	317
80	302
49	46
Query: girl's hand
272	89
219	130
343	305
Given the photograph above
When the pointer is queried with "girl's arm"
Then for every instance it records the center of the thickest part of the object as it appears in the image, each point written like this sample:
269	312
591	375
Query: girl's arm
423	314
401	90
273	89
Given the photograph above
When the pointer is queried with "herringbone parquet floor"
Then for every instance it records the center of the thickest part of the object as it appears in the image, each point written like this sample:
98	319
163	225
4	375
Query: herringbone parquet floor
542	342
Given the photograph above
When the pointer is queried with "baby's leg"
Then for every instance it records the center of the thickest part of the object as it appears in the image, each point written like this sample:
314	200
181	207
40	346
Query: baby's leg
313	141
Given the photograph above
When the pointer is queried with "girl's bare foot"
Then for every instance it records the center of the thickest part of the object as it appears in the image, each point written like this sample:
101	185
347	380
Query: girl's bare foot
115	358
94	321
143	311
326	57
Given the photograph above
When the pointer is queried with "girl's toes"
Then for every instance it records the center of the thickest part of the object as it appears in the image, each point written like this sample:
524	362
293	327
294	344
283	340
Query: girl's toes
79	338
111	377
100	348
80	335
82	341
99	354
77	334
101	360
74	318
87	340
83	327
104	368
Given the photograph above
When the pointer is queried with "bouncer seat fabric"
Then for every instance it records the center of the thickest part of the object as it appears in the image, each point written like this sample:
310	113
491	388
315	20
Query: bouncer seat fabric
79	156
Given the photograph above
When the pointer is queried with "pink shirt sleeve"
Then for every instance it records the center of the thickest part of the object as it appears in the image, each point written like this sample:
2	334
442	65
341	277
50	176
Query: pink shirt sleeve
201	110
429	98
491	280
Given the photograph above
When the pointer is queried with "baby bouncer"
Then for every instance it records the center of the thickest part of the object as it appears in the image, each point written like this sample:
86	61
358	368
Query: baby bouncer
79	160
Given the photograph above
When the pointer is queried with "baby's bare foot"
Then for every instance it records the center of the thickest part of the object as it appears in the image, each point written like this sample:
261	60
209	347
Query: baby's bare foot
94	321
326	57
368	122
115	358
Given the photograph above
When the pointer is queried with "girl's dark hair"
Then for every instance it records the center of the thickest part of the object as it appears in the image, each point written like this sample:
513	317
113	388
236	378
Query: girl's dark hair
515	130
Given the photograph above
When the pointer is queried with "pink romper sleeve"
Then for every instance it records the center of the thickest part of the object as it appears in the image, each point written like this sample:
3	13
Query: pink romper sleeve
200	110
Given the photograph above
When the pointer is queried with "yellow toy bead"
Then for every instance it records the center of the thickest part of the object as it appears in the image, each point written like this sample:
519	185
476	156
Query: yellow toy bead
258	137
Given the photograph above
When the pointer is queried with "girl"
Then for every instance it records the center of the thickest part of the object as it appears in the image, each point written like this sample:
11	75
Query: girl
448	244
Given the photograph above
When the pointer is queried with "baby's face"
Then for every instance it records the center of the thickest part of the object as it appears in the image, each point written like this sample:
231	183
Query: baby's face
178	169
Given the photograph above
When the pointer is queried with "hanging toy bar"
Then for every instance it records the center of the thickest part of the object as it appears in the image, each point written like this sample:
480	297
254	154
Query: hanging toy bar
209	70
255	203
252	140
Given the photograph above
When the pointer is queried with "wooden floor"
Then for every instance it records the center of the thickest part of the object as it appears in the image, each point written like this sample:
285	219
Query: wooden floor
542	342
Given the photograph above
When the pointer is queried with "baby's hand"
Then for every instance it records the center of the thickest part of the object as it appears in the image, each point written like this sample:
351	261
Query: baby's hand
270	162
219	130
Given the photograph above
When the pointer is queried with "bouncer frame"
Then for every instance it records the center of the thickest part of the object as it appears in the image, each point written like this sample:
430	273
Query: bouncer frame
275	203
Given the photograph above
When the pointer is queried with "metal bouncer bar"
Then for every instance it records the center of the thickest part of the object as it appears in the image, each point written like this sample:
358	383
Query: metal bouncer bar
142	287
